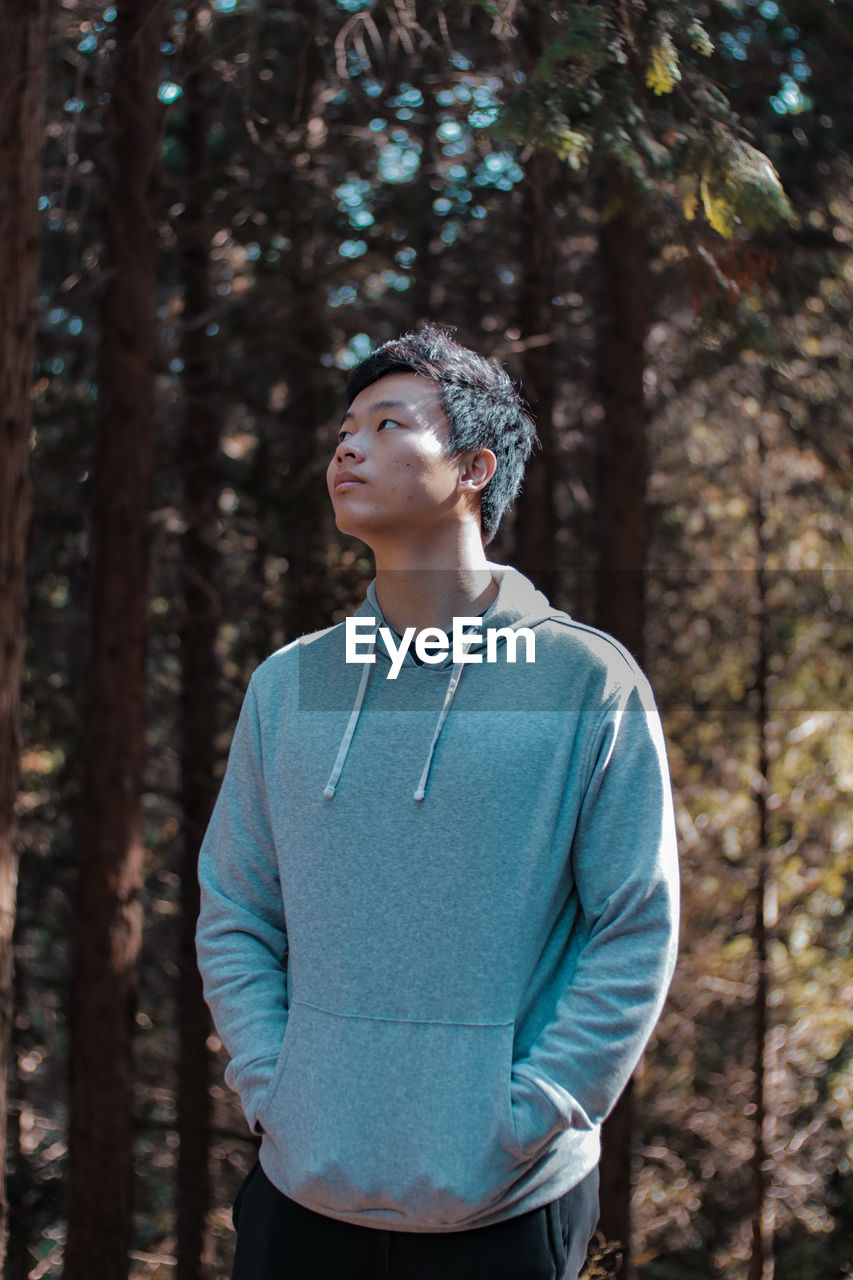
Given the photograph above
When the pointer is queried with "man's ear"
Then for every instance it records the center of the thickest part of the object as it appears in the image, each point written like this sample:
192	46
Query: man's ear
477	470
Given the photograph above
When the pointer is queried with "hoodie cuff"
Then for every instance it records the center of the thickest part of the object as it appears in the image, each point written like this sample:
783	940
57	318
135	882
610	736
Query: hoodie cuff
252	1084
540	1110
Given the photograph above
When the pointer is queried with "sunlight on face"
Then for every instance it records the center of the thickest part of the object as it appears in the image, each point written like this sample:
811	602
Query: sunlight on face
390	473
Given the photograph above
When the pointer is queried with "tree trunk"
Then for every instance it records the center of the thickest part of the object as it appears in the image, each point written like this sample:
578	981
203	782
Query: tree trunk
110	835
761	1265
536	516
198	451
620	596
306	515
535	525
23	53
622	466
426	295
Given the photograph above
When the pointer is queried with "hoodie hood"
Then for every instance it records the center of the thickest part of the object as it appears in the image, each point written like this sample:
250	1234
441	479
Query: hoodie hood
517	604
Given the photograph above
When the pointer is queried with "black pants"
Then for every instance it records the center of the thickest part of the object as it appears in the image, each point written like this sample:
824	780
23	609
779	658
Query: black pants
278	1239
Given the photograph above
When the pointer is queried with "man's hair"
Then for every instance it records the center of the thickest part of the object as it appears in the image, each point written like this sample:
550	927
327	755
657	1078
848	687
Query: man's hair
482	403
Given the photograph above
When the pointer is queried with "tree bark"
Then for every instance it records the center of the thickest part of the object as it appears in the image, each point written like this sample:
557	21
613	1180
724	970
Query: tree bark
620	594
536	516
198	452
110	834
535	526
305	517
622	464
426	295
761	1265
23	54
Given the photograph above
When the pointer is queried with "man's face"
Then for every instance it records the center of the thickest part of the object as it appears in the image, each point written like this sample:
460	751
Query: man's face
390	475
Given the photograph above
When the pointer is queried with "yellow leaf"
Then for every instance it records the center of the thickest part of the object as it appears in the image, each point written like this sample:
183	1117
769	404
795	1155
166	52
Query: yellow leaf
689	198
571	146
663	71
718	211
700	40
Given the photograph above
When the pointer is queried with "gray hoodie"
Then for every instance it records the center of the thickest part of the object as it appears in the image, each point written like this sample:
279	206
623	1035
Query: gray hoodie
439	916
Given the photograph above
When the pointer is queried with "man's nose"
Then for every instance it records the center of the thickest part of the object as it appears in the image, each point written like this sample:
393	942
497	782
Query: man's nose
348	449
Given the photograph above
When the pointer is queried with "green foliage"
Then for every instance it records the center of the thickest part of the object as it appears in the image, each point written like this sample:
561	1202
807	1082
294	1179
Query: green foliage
681	147
699	39
737	185
580	41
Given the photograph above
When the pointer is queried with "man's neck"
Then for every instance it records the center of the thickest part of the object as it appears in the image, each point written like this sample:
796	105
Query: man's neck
433	597
429	587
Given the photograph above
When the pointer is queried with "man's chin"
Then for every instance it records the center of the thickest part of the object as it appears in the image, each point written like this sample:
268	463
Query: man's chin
353	529
349	523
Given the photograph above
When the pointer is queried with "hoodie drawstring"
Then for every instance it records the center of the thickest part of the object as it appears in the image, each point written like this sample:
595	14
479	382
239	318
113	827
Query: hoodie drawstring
343	749
420	790
515	592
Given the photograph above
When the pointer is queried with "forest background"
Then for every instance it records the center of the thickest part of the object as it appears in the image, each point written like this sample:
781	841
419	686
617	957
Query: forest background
210	211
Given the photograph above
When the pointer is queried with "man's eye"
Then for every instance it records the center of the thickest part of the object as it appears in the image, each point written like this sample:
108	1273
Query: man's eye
342	435
387	422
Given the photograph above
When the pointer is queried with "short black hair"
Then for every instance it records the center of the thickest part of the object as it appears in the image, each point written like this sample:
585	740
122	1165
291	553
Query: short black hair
483	406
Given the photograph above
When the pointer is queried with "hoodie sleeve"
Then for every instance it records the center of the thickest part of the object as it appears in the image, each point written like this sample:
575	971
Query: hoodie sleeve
625	869
241	938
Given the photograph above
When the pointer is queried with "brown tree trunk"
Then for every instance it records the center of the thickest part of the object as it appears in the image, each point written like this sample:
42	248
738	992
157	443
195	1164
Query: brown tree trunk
535	525
198	450
620	595
622	466
110	835
306	515
426	295
23	52
535	529
761	1266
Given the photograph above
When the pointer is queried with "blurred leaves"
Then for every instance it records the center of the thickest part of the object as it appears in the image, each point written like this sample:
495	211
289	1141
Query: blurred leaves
663	72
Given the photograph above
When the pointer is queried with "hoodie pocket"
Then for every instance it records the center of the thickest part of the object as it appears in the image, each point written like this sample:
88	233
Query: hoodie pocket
404	1118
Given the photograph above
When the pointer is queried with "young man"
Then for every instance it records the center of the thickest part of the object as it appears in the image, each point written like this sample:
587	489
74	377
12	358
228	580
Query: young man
439	888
